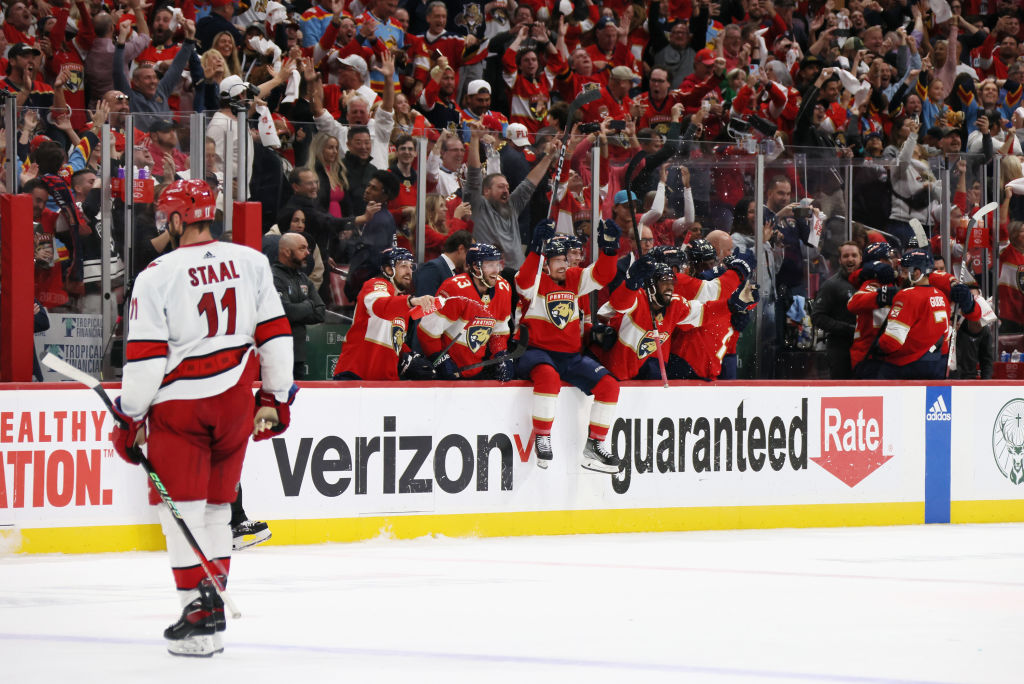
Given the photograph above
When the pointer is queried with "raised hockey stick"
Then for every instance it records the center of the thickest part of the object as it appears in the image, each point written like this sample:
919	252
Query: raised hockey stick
584	98
630	195
919	234
956	318
524	339
211	568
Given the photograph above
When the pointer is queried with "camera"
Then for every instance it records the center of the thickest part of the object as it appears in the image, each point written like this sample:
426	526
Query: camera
802	212
588	128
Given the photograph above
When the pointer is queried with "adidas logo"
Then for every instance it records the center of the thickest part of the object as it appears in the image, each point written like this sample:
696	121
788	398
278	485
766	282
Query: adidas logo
209	255
938	411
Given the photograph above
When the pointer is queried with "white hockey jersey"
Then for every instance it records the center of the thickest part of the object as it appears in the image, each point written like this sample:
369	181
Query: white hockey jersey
194	318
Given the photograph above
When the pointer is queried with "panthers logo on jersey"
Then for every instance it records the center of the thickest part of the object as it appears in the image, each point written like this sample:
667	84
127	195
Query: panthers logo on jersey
1020	278
398	334
648	345
478	332
561	307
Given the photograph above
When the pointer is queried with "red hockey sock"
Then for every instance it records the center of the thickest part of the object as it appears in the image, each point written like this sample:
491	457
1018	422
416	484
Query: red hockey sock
606	395
546	384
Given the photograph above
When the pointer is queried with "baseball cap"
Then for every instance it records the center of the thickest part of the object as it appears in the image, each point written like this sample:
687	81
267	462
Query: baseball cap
161	126
518	135
233	86
22	49
357	63
811	60
622	73
477	86
624	197
604	21
705	57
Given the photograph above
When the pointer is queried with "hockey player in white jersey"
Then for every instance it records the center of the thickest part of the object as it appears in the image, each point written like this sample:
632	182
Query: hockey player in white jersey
196	320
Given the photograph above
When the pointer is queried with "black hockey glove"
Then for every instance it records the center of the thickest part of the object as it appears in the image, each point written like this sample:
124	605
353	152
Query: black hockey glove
886	294
542	232
963	297
608	233
734	263
413	366
640	271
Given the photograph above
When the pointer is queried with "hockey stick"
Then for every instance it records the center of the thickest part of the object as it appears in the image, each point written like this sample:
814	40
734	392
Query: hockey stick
584	98
444	352
524	339
211	568
631	196
956	318
919	234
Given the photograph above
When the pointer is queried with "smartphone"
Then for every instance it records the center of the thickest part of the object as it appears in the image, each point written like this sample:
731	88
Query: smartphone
617	125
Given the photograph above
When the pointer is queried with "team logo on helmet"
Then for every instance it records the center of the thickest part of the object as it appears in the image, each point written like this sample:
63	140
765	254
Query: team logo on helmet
1020	278
398	334
648	344
478	332
561	307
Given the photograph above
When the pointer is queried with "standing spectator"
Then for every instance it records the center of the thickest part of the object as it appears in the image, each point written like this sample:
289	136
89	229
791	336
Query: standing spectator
974	348
219	19
830	312
495	207
147	92
324	160
1011	281
302	305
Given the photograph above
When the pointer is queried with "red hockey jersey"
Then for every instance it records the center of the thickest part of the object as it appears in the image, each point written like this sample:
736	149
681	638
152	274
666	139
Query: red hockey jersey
864	305
477	334
919	321
636	341
553	315
377	335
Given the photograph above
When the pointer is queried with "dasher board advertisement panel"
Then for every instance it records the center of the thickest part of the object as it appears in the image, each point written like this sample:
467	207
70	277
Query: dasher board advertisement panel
442	450
356	452
987	453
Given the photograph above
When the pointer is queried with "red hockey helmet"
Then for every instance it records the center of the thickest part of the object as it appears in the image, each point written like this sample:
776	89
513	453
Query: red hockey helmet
191	199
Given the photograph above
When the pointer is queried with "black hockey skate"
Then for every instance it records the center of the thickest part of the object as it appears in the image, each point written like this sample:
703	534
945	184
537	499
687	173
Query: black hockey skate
249	533
196	634
597	458
542	445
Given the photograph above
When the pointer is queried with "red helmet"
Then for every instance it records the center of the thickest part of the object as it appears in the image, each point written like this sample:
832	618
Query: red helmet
192	199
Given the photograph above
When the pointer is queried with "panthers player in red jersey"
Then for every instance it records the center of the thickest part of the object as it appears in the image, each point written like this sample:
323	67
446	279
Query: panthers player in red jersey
876	288
649	288
915	343
552	294
196	319
697	353
376	341
477	329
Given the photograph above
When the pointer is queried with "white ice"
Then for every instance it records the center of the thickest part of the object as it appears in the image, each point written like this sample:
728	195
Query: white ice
939	603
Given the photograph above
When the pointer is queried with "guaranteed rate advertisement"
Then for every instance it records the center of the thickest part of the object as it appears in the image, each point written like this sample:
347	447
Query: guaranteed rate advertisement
419	450
441	450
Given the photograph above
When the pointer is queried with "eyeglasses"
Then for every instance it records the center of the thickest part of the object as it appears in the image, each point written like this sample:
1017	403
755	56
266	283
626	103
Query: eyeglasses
647	241
454	149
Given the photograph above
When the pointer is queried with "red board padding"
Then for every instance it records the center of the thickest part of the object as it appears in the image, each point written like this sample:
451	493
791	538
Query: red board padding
17	259
247	224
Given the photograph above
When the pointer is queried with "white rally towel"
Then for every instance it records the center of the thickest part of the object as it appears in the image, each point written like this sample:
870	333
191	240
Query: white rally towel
266	129
291	90
1016	186
941	10
860	90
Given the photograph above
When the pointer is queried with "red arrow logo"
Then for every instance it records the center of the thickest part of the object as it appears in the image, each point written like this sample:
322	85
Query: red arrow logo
851	468
851	437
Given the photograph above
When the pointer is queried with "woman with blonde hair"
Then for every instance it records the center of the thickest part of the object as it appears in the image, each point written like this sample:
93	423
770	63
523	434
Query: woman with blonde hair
325	161
224	43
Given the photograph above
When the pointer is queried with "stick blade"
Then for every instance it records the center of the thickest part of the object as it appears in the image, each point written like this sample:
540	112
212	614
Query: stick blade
919	234
985	210
61	366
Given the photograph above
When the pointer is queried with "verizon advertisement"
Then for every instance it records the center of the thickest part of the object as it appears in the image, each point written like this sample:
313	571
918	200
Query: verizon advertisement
437	450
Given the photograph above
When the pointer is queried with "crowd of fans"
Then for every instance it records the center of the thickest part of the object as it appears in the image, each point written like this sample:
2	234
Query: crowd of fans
338	94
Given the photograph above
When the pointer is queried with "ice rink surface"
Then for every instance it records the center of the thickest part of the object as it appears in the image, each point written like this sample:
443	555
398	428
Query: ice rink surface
938	603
